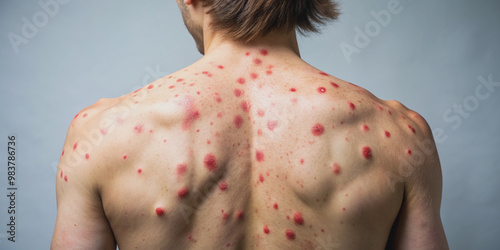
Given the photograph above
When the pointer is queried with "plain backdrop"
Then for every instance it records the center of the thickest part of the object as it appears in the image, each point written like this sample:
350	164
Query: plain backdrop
430	55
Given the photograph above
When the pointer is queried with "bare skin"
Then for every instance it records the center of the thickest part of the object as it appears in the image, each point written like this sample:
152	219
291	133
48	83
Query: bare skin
249	148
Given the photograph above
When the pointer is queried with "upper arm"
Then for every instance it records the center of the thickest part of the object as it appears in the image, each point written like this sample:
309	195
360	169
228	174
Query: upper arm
81	222
419	225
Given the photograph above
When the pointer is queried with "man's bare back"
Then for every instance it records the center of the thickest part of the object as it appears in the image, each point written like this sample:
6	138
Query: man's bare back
253	149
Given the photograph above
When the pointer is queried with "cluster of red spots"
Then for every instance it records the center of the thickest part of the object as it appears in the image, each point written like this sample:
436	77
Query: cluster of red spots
207	73
239	214
220	67
290	234
367	152
151	86
366	128
138	128
387	134
183	192
210	162
321	90
75	145
223	186
264	52
297	217
139	171
411	128
87	156
266	229
160	211
318	129
261	112
261	178
352	106
244	105
259	155
257	61
293	89
409	152
237	92
336	169
181	169
241	80
271	125
334	85
124	157
254	75
238	121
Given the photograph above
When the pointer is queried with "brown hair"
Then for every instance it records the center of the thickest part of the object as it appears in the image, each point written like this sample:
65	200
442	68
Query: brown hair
244	20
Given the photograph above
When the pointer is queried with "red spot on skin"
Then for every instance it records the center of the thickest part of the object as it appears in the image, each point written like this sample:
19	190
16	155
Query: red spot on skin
138	128
237	92
269	72
61	174
297	217
191	113
290	234
124	157
87	156
352	106
151	86
411	128
208	141
387	134
136	91
66	178
259	155
84	115
257	61
367	152
181	169
223	186
139	171
318	129
259	132
171	87
390	113
275	206
271	125
218	99
343	208
75	145
301	161
225	215
238	121
261	178
241	81
409	152
205	72
336	169
293	89
323	73
264	52
266	229
104	131
228	244
62	154
220	67
321	90
183	192
239	215
219	114
160	211
180	80
247	54
210	162
254	76
366	128
261	112
334	85
244	105
76	116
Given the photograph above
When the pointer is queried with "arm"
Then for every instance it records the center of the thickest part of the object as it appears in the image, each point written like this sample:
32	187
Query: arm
81	222
419	225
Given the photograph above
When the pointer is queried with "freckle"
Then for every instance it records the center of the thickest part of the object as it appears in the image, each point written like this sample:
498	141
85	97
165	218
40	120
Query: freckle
239	215
366	128
290	234
264	52
257	61
254	76
261	178
293	89
275	205
259	155
104	131
244	105
409	152
183	192
124	157
261	112
353	107
387	134
367	152
318	129
84	115
66	178
138	128
210	162
237	92
266	229
180	80
411	128
323	73
75	145
269	72
271	125
223	186
241	80
139	171
220	67
87	156
321	90
301	161
334	85
297	217
160	211
238	121
336	169
150	87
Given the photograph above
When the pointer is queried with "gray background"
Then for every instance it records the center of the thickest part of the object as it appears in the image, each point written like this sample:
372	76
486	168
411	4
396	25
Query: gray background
429	57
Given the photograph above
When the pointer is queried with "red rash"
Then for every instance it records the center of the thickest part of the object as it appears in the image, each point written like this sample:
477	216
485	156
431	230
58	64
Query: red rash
210	162
352	106
318	129
75	145
290	234
367	152
160	211
238	121
297	217
334	85
191	116
259	155
271	125
336	169
183	192
257	61
266	229
321	90
261	112
387	134
241	81
223	186
181	169
138	128
264	52
412	129
237	92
